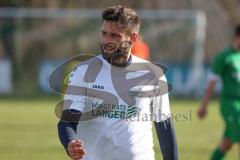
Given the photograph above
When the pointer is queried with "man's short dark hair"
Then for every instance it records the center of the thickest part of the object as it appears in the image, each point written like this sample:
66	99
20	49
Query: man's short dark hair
237	31
127	18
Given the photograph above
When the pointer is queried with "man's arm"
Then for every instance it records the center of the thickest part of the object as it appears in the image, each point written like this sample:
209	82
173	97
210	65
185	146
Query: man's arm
73	104
202	112
217	72
67	128
167	139
164	126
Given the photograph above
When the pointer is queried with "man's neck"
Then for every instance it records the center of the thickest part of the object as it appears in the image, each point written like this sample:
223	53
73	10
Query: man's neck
123	60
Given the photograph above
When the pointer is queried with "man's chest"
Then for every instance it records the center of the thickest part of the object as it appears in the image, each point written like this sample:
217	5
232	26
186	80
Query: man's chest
115	100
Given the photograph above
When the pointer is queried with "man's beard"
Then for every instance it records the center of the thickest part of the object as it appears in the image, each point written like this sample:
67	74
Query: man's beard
115	52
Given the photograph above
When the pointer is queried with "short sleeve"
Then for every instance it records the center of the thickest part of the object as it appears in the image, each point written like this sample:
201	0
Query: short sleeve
218	64
76	91
161	106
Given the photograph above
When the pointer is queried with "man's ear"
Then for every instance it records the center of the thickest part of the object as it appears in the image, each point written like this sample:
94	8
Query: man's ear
134	37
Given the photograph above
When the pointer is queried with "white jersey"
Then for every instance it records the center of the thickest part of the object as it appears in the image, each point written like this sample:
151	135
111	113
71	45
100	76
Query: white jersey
121	134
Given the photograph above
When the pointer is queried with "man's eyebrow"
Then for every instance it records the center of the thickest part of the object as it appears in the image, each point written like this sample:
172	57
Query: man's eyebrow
111	33
115	34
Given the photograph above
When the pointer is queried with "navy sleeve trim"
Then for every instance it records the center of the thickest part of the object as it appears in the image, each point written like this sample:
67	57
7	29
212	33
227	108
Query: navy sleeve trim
67	129
167	139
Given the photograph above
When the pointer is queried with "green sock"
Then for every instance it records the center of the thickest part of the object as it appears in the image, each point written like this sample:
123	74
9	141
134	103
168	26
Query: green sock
218	155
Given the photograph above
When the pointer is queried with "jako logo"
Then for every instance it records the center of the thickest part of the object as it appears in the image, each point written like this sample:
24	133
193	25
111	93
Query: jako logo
98	86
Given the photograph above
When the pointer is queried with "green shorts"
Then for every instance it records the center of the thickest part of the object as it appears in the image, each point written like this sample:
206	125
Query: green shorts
230	110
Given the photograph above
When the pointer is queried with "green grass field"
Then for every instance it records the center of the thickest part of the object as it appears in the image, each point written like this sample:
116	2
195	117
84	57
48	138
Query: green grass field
28	131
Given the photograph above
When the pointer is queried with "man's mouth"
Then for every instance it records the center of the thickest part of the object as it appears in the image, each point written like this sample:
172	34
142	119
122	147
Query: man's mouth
110	47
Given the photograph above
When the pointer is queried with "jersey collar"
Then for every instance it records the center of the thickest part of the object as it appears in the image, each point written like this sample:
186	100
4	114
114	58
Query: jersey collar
120	65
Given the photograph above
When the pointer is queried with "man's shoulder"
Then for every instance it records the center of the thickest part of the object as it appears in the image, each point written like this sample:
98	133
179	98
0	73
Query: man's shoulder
89	60
158	69
136	59
87	64
223	54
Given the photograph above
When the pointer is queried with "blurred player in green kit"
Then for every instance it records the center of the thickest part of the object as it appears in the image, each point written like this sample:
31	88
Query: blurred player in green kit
226	67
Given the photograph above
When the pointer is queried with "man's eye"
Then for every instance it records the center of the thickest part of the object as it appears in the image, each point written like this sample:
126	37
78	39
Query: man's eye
114	36
104	33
